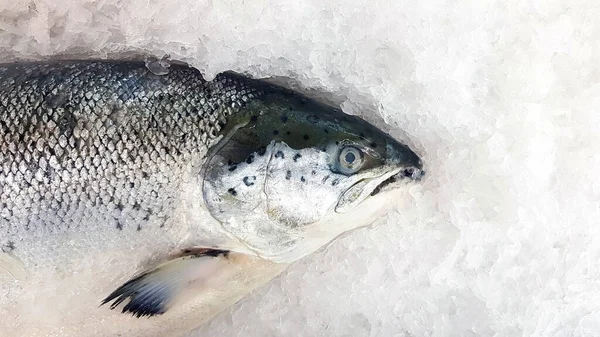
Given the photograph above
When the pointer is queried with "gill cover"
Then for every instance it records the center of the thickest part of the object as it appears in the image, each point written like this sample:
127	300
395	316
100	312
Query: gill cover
269	178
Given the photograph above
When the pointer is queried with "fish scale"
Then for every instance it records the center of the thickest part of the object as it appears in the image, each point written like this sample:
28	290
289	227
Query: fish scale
108	135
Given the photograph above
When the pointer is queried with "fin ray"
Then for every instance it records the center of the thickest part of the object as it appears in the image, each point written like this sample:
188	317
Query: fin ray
152	292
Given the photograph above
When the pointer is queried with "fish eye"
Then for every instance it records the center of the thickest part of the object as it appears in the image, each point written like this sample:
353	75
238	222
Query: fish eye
350	159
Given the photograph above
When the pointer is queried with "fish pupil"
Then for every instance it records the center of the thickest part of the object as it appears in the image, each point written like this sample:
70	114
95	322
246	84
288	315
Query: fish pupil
350	158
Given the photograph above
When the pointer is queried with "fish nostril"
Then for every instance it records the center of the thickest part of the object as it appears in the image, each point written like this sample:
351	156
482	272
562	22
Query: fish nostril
413	173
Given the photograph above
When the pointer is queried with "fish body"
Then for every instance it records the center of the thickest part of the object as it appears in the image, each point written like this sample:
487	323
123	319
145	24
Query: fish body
195	191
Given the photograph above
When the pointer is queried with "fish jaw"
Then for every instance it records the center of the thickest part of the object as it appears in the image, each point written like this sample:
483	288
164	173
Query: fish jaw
323	232
360	191
402	165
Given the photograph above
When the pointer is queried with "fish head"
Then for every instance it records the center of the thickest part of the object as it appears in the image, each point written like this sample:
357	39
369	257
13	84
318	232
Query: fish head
290	174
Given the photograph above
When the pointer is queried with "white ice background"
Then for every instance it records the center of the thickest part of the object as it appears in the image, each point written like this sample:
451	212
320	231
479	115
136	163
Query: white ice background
500	98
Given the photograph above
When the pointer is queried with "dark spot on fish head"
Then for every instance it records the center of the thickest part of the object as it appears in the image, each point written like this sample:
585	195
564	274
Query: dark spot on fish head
305	137
297	156
284	119
373	145
8	247
275	132
313	172
232	191
326	131
250	159
131	185
249	181
279	154
232	168
288	175
254	118
302	179
288	133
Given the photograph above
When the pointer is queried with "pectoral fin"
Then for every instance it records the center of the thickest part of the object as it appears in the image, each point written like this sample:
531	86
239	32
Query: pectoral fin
154	291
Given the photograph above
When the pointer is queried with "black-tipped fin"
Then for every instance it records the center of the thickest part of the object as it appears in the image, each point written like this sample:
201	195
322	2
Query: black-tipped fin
152	292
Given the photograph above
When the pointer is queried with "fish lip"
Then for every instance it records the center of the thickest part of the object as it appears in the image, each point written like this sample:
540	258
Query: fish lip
353	197
411	172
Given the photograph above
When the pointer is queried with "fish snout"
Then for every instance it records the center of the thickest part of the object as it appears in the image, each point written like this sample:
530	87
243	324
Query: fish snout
414	173
411	166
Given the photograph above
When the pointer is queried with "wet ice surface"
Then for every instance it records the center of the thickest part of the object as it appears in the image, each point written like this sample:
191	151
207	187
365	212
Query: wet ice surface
499	98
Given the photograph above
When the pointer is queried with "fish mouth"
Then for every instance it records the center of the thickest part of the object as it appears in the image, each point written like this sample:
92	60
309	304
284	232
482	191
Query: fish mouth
372	186
413	173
